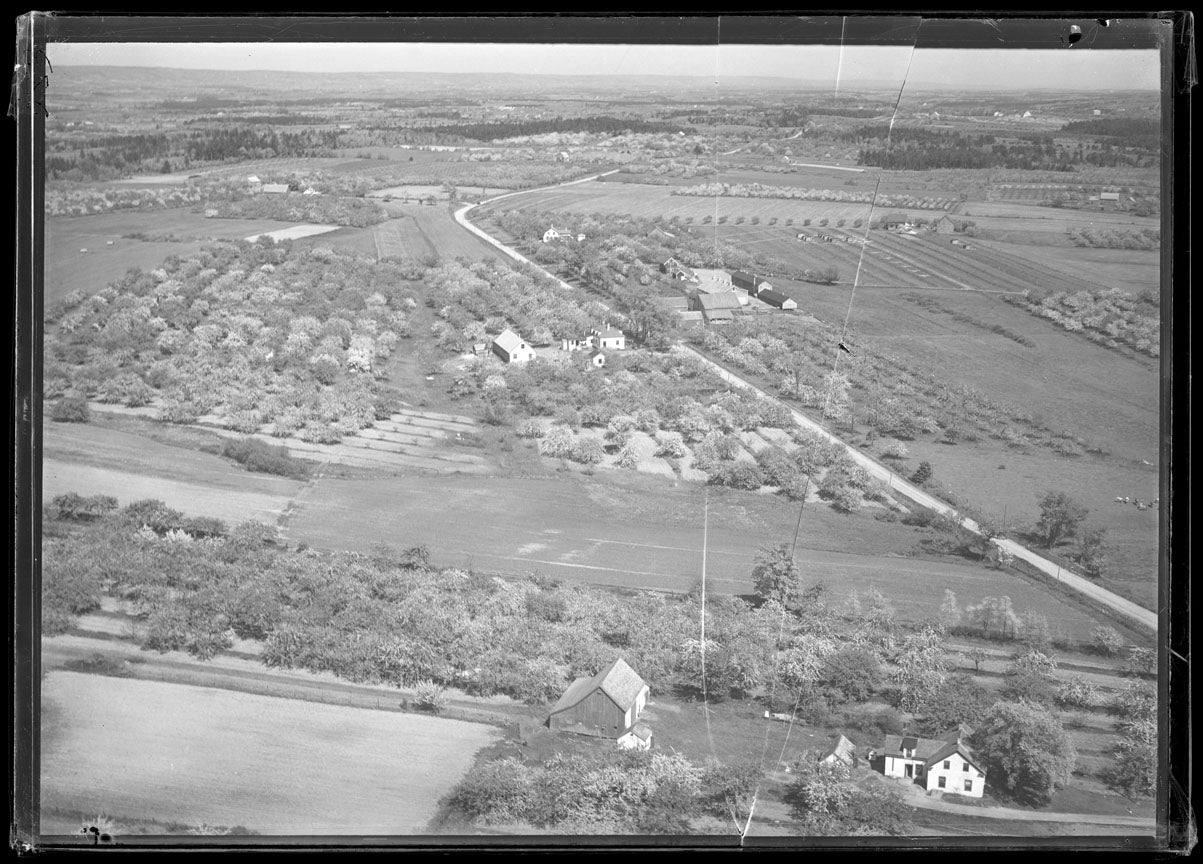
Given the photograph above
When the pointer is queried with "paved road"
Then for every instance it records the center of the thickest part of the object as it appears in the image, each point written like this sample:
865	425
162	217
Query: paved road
1125	607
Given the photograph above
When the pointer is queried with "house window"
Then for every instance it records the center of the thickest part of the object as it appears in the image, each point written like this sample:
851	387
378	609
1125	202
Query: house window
947	764
941	782
965	766
968	785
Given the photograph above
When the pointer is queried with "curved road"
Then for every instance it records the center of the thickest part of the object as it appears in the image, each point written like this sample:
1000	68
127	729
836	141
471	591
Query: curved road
1133	612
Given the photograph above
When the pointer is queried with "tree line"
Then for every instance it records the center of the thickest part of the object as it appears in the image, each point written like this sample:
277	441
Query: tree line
600	125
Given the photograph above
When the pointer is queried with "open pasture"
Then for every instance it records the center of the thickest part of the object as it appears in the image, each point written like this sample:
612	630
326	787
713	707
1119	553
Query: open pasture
651	202
638	531
95	460
398	238
294	232
348	241
1131	270
178	753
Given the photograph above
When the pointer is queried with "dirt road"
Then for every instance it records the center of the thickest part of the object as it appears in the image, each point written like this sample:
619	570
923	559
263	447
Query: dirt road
898	485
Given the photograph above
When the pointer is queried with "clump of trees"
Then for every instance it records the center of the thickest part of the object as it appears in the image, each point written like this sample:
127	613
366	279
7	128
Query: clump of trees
1025	750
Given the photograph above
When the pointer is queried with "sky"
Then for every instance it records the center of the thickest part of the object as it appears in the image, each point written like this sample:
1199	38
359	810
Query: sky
1009	69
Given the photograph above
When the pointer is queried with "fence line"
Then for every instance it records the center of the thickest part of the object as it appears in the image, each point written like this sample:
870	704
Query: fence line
334	696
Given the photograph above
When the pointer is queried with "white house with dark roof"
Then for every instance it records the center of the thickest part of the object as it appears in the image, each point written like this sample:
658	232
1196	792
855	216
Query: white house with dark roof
943	764
511	349
607	705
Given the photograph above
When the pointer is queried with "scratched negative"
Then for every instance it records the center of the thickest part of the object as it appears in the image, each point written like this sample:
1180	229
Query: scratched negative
746	438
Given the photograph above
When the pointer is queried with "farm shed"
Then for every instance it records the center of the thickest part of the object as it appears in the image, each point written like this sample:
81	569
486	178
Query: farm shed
776	298
639	738
511	349
892	221
576	344
610	337
275	188
607	705
597	358
843	751
750	282
689	320
943	764
943	225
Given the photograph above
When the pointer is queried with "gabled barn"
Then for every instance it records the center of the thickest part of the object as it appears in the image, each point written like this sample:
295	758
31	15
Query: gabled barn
607	705
511	349
719	306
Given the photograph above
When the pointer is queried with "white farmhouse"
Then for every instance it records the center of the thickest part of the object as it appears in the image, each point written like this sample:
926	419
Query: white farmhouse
610	337
944	764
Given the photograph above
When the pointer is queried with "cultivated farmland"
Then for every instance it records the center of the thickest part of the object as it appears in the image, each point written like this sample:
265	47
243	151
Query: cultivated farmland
177	753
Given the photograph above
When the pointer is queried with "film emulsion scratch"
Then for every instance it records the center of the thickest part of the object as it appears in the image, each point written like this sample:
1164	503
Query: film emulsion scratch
648	443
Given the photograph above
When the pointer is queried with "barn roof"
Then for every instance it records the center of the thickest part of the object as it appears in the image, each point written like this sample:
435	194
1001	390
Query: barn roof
275	187
618	681
844	750
508	341
719	300
768	295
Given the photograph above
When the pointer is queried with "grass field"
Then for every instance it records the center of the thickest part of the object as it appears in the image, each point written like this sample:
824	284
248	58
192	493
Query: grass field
294	232
640	532
68	269
95	460
401	237
176	753
657	201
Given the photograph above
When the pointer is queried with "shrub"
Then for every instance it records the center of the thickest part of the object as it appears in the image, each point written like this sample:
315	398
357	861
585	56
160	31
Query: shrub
71	409
588	451
78	508
671	445
256	455
430	696
738	475
530	429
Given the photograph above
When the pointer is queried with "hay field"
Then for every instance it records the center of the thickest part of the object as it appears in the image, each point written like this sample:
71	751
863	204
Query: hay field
657	201
178	753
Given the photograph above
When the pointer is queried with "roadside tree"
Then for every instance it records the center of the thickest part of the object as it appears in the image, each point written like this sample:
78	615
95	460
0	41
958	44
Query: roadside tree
1060	517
